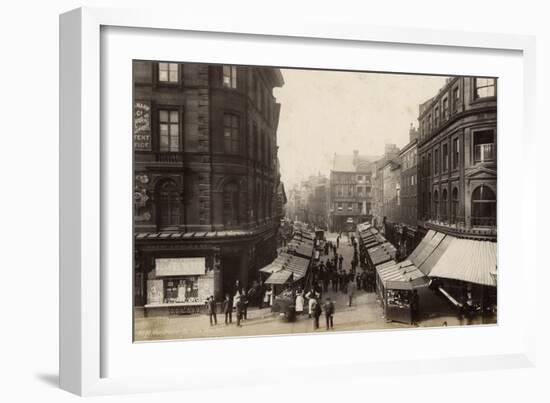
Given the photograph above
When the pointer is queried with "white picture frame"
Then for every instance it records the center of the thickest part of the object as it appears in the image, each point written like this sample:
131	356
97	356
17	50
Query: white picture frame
83	306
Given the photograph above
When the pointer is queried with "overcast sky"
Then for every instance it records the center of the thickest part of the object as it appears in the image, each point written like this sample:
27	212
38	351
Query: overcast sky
327	112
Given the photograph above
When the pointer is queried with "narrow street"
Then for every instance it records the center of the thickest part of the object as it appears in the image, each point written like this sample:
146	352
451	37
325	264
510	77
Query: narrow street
364	314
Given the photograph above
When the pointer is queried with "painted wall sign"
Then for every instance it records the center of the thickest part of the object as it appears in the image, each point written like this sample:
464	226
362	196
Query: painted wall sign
142	126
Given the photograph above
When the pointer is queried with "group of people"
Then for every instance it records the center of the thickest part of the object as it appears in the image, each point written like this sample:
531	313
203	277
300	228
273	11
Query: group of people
238	303
314	307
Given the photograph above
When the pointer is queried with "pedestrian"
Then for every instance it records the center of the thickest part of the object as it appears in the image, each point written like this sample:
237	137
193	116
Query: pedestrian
211	310
228	309
351	292
317	314
239	311
329	313
335	278
299	302
244	302
311	296
340	262
267	296
337	242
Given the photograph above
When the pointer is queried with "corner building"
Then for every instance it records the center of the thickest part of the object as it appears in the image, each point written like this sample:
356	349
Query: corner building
457	152
206	180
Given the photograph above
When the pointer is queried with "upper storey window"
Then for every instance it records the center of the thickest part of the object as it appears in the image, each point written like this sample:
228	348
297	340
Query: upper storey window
169	129
484	87
168	72
230	76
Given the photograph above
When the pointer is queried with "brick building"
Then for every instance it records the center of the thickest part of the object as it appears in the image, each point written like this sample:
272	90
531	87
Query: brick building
350	191
207	186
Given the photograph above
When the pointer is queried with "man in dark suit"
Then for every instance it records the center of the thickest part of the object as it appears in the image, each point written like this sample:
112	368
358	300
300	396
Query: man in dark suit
329	313
228	309
211	310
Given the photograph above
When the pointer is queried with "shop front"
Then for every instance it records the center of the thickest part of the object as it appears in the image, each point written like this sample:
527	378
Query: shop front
180	286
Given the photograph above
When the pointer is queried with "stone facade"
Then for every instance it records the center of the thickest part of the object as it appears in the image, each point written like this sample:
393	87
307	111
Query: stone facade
457	153
206	174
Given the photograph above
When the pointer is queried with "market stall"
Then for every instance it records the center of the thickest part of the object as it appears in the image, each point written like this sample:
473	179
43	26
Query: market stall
397	285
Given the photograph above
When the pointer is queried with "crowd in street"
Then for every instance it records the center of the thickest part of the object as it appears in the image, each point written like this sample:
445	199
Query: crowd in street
328	274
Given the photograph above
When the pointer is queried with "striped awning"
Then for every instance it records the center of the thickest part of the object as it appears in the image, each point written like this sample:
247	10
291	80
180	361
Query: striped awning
468	260
279	277
401	276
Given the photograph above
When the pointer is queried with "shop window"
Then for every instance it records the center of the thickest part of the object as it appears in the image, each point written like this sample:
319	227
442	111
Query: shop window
231	204
484	206
484	87
168	72
230	76
231	133
168	205
181	289
484	147
169	129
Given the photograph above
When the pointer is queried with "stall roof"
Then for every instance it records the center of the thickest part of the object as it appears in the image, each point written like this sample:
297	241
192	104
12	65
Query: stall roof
402	276
430	262
423	243
433	243
279	277
468	260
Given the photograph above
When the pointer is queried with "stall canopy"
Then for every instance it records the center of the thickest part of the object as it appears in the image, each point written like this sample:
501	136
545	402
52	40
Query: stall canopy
381	253
401	276
279	277
428	248
284	266
468	260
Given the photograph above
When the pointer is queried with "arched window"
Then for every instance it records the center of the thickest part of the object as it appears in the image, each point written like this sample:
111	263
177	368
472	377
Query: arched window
484	206
436	205
231	204
444	203
168	209
454	205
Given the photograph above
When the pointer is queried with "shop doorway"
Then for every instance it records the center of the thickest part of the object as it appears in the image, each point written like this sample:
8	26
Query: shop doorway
230	273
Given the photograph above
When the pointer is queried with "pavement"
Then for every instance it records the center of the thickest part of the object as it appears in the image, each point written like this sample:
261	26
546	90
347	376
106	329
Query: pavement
364	314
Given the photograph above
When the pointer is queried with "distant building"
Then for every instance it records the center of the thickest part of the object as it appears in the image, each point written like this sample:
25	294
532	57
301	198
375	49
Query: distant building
380	180
350	195
208	197
408	198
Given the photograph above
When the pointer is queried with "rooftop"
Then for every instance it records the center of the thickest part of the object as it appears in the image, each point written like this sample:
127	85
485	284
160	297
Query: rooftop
353	163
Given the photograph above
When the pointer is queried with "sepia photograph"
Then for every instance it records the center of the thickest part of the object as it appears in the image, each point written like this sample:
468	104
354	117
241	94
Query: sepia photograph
275	200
